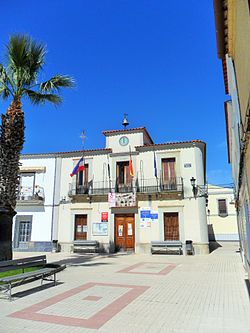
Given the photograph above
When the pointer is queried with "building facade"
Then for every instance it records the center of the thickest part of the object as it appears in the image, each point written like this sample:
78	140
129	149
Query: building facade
221	214
35	224
233	34
133	192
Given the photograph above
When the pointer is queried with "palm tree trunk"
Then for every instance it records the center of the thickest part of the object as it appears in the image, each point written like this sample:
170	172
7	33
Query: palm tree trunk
6	218
11	144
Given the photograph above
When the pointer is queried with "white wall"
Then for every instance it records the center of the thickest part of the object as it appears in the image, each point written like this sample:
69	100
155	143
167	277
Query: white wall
42	213
135	139
234	121
224	228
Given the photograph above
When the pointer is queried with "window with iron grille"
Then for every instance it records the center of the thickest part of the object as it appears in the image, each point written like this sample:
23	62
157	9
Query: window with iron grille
222	207
24	231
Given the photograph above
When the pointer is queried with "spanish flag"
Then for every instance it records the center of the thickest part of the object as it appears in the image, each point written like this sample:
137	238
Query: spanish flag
131	170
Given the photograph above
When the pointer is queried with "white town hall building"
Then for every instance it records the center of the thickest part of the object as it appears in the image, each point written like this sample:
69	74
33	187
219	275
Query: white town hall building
131	192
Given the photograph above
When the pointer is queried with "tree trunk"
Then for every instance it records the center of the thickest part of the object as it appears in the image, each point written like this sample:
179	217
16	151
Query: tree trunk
6	218
11	144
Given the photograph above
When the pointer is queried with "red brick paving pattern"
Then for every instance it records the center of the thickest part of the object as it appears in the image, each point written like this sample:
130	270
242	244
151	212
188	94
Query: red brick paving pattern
96	321
132	269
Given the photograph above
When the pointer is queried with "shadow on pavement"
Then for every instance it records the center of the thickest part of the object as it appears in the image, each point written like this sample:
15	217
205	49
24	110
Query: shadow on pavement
83	258
213	245
31	291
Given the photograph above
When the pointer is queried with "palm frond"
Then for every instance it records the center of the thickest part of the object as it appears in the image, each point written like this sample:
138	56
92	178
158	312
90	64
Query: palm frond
41	98
56	82
17	51
20	77
36	56
6	85
25	59
4	93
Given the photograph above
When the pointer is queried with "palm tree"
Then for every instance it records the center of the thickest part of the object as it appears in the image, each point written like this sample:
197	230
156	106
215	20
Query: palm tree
18	79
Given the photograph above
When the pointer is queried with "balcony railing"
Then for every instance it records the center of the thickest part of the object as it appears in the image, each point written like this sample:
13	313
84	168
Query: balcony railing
31	194
138	185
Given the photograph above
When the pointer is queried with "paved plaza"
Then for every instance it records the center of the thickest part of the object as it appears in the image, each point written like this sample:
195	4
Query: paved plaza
134	293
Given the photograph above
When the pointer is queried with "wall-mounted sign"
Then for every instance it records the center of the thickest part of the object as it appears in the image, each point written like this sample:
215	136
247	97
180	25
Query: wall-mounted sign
148	215
100	229
104	217
122	199
111	199
145	214
187	165
145	224
154	216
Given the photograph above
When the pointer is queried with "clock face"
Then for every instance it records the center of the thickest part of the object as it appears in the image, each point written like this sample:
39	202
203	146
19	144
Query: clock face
123	141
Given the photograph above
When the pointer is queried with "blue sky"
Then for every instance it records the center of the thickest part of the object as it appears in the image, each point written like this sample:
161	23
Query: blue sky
154	60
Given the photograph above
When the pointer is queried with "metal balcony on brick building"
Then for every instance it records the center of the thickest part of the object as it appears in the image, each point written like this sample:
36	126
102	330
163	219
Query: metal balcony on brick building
147	186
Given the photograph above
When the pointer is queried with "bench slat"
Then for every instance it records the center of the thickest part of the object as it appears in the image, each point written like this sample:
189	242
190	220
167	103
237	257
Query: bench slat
167	245
22	263
22	260
37	273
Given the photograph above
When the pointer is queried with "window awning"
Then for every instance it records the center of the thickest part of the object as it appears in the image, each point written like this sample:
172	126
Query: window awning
32	169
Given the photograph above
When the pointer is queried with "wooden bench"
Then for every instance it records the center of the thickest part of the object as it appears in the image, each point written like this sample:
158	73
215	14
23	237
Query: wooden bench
43	271
167	246
86	246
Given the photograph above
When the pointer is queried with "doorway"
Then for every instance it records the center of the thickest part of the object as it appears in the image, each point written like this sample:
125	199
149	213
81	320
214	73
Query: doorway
125	231
81	227
171	226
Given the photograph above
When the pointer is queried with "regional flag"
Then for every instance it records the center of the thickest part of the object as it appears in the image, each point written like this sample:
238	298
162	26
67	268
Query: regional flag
79	167
131	170
155	166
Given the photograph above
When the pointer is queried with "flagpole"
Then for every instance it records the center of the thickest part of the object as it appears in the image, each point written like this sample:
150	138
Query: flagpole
155	170
109	174
131	171
83	141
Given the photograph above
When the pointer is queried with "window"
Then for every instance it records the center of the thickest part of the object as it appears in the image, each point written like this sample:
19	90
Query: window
27	184
168	173
82	176
222	207
168	169
82	180
24	231
123	175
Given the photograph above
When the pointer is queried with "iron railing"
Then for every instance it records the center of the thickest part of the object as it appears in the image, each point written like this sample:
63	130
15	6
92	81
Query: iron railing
153	185
27	193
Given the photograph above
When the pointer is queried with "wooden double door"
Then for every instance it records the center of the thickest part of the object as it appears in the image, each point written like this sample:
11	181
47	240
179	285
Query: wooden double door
81	227
125	231
171	226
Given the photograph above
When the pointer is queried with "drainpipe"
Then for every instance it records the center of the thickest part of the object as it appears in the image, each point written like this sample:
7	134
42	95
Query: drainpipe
53	237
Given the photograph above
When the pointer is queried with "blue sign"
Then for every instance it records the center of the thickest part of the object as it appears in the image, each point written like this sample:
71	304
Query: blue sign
145	214
154	216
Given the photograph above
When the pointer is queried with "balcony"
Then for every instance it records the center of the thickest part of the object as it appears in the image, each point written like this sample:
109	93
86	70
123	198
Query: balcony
31	195
139	186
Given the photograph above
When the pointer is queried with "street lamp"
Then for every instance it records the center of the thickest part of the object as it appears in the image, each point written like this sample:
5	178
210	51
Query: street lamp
199	190
194	187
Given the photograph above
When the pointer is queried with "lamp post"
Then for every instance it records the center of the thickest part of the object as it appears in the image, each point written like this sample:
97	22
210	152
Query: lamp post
197	189
194	187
